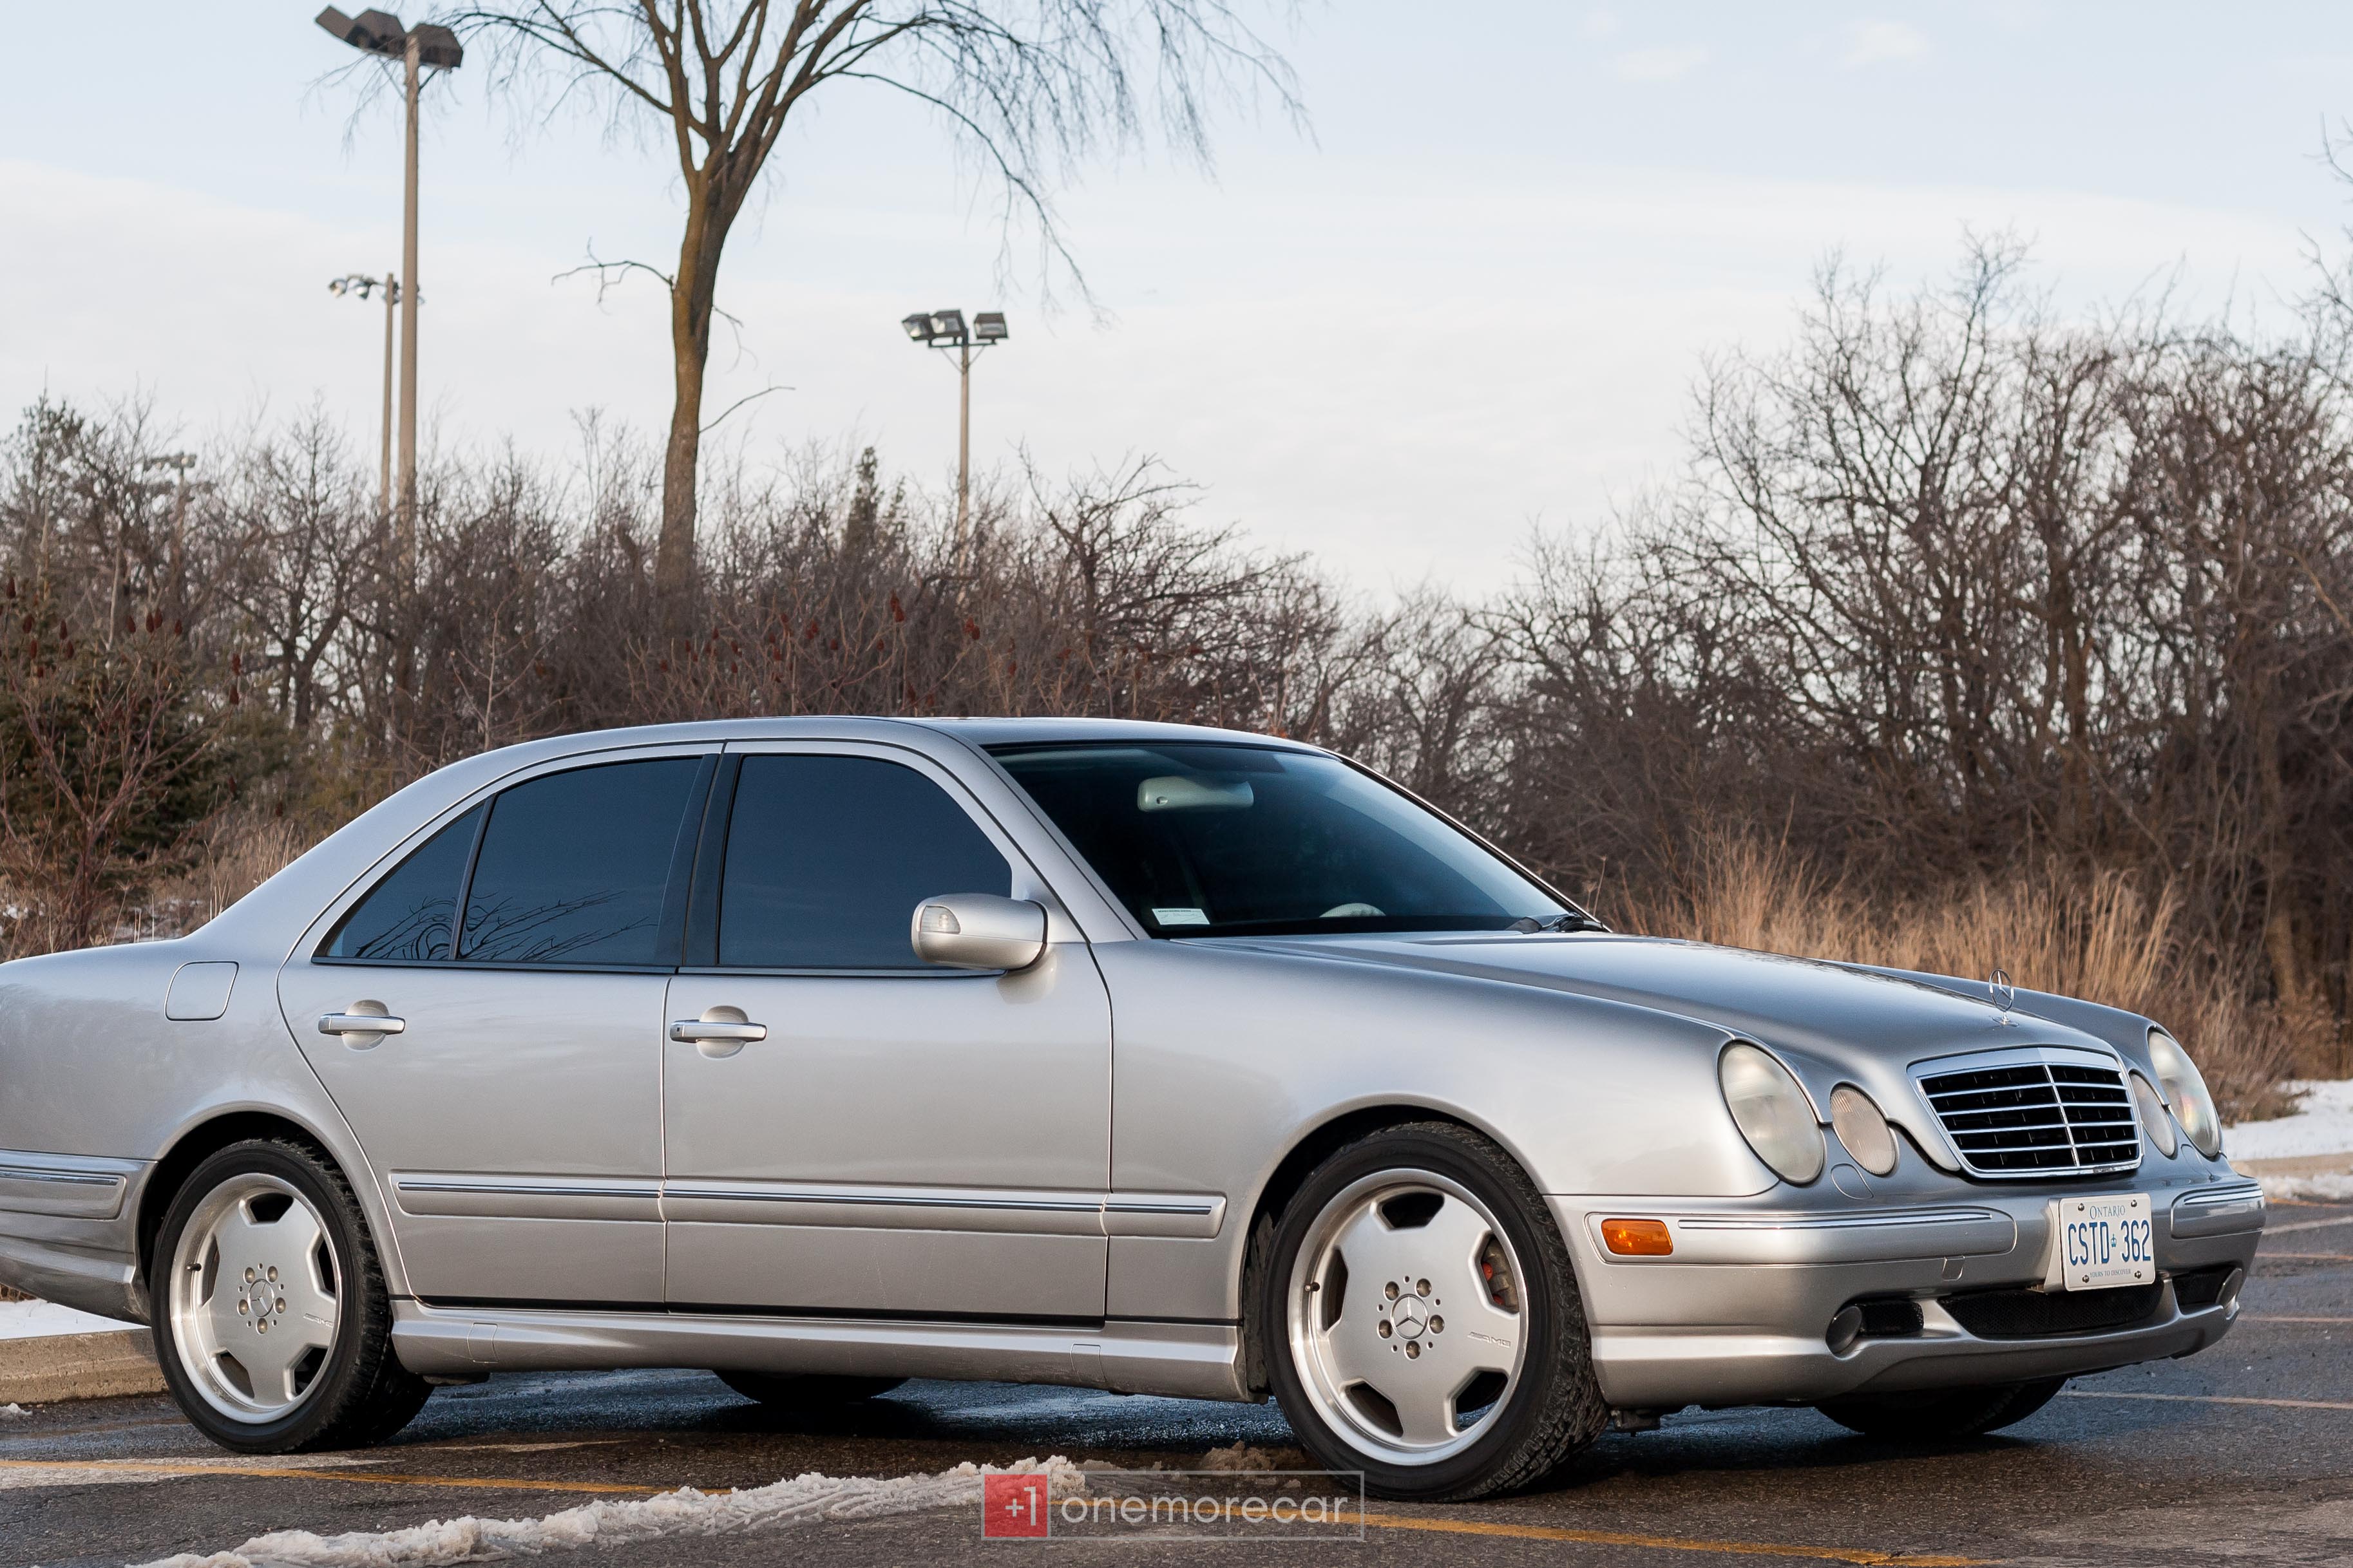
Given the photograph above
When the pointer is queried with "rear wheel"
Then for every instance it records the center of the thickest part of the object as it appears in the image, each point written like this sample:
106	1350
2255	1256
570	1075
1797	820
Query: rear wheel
1942	1414
272	1325
1422	1322
789	1391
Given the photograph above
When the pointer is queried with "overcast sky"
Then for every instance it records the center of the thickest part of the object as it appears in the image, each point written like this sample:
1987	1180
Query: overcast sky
1470	301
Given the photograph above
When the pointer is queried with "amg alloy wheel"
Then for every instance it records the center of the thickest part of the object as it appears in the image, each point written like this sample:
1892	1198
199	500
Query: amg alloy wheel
272	1325
1422	1319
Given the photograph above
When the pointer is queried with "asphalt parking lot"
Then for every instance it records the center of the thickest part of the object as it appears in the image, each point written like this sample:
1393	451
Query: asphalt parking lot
2243	1454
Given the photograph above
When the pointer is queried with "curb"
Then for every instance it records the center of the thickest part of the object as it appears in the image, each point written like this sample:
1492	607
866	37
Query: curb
49	1368
2298	1165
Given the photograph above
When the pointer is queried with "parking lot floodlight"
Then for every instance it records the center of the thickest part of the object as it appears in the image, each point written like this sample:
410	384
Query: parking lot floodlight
948	324
438	46
988	327
377	32
919	326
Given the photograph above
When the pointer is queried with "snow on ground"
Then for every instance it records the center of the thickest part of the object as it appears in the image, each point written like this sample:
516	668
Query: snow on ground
12	1412
680	1514
2323	1124
31	1320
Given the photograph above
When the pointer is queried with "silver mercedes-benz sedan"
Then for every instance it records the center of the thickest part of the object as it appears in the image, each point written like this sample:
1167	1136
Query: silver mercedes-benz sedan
825	1053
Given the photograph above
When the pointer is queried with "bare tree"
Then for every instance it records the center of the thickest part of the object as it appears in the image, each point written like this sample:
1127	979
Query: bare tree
1028	85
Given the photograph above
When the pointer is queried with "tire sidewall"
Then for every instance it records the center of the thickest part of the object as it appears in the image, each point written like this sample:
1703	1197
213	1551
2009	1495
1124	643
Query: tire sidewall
331	1391
1552	1353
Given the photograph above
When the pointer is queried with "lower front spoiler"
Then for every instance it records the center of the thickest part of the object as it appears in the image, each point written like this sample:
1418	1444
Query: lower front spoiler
1666	1369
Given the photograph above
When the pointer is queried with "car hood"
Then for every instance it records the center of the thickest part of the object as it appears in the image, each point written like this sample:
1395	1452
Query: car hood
1846	1018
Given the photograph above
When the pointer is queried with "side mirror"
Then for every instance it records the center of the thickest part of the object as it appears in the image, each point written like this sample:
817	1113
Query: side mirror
979	930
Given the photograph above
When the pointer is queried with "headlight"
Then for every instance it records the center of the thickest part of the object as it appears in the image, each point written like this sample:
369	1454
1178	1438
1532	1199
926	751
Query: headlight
2185	1091
1862	1129
2153	1116
1772	1112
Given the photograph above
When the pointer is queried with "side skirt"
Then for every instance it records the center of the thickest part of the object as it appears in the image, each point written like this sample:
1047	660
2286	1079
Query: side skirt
1185	1360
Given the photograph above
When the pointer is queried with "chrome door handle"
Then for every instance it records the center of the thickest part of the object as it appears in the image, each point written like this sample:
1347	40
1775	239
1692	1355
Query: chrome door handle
695	1031
361	1023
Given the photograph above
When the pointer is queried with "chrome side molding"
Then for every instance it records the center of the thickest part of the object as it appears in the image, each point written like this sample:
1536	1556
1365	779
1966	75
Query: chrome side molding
998	1210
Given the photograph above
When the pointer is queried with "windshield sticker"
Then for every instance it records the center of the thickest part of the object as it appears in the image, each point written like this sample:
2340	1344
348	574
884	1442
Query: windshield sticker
1181	917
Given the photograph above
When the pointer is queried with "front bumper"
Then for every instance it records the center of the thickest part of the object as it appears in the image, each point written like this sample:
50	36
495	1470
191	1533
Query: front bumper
1742	1312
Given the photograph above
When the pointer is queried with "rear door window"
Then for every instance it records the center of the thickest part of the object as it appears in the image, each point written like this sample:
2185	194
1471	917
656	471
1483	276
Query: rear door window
574	866
828	856
410	917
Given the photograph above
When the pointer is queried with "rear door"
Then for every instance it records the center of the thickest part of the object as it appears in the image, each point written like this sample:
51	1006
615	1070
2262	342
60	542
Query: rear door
903	1138
515	1119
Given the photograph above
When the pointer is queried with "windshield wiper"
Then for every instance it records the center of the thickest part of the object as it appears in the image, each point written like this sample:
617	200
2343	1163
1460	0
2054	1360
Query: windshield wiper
1572	921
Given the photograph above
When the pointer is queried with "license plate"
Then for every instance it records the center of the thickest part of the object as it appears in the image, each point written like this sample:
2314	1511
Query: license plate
2103	1242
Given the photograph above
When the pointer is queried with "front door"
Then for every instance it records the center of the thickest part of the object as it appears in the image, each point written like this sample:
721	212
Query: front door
514	1117
901	1139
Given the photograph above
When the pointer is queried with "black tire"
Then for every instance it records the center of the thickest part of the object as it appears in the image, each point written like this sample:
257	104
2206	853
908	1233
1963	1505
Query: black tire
1942	1414
1553	1411
802	1391
360	1393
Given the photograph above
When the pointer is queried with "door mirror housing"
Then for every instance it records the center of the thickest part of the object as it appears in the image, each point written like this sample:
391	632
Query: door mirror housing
979	930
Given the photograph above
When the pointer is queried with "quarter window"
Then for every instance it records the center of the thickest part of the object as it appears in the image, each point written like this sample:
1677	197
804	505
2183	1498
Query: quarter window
827	858
573	866
410	916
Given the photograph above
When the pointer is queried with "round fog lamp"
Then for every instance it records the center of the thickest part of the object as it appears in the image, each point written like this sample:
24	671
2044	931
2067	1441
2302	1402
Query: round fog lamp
1771	1111
1862	1129
2154	1117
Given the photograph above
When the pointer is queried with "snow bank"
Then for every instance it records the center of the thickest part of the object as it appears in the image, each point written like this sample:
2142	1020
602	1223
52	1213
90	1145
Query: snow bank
2323	1124
12	1412
32	1320
680	1514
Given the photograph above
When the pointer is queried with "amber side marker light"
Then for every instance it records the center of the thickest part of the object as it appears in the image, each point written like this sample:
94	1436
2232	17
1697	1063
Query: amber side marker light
1637	1237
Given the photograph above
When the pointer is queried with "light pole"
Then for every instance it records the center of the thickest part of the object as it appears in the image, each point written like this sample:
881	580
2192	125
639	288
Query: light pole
361	284
427	44
946	331
180	463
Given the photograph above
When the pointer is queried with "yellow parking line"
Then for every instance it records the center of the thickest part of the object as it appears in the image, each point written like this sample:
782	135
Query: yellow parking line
2209	1399
1863	1556
326	1473
1666	1542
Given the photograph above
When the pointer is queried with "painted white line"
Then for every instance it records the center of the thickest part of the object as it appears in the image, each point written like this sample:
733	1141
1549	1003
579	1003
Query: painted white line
682	1514
2308	1225
2209	1399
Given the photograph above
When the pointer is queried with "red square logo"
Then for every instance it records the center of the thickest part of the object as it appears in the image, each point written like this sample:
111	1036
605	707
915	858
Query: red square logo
1013	1507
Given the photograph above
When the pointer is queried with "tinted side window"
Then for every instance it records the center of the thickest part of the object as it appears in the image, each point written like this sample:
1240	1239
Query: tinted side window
573	866
827	858
411	914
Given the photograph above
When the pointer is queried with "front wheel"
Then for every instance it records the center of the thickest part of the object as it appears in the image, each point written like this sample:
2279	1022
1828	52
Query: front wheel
1421	1320
272	1325
1944	1414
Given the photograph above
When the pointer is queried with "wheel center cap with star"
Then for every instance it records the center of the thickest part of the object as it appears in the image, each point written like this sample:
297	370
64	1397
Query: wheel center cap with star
1412	1316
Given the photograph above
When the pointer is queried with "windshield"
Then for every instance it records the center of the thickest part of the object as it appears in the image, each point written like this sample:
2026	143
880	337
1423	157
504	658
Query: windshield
1207	840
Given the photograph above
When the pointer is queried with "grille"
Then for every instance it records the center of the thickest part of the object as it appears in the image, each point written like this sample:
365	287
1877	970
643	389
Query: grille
2036	1115
2033	1314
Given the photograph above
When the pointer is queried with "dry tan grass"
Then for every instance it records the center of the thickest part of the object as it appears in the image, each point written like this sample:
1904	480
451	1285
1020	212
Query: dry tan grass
2098	937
